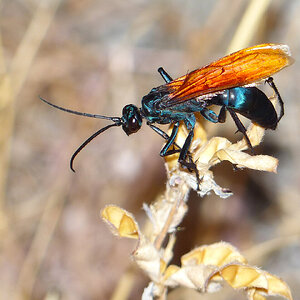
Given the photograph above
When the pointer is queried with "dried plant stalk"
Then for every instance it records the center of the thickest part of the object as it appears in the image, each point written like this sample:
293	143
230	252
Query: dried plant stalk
207	267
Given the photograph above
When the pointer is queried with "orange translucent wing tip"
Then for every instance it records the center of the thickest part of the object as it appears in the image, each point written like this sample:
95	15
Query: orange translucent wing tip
241	68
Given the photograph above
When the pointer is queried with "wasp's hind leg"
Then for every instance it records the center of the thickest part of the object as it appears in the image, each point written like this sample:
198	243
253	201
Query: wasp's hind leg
241	128
271	83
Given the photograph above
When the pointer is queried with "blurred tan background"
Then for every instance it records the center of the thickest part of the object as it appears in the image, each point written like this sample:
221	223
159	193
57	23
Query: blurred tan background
97	56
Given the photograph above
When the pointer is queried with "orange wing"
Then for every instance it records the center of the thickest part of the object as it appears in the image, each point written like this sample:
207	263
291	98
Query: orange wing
241	68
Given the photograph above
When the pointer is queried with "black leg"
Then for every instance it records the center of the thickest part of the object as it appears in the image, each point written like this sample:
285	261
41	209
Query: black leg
186	146
273	86
191	166
165	150
222	115
208	114
165	136
240	127
184	153
166	77
159	131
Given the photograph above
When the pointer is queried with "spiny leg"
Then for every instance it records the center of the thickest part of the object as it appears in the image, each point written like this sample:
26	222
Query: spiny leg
240	127
270	81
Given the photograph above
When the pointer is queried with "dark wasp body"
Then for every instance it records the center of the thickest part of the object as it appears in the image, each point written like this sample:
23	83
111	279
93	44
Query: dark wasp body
247	101
229	83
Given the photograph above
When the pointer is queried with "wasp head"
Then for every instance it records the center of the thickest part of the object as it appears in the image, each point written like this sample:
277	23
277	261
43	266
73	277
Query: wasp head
131	119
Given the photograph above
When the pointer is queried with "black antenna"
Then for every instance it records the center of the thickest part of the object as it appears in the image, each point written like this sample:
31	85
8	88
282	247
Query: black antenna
117	120
114	119
87	141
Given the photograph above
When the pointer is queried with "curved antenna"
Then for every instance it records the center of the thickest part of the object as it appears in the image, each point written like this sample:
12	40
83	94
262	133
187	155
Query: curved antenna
114	119
87	141
118	121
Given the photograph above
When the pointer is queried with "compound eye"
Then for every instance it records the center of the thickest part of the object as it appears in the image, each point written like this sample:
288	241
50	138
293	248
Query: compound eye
133	124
